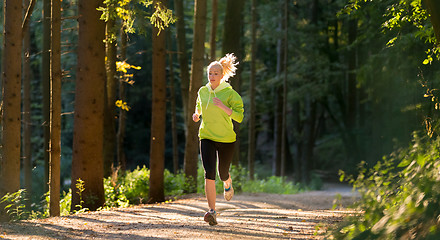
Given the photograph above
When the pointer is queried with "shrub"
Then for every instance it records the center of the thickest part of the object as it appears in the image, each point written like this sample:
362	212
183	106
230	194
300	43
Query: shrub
400	196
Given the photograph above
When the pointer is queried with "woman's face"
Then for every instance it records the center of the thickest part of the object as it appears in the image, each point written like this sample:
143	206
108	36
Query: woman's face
215	75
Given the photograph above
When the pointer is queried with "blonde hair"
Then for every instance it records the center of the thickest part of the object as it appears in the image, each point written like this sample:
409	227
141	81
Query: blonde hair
227	64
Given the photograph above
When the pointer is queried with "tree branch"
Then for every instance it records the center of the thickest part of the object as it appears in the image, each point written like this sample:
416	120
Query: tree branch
28	14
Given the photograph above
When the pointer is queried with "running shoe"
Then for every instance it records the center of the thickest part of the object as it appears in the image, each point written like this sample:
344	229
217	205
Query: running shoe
211	217
229	192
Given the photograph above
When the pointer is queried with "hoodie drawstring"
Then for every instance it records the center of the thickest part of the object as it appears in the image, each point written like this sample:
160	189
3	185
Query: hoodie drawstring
209	98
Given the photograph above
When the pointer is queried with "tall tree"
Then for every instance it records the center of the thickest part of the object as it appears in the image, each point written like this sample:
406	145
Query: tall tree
284	142
87	159
158	119
232	43
310	108
232	35
214	20
45	79
110	93
55	109
120	137
279	91
434	11
173	111
197	61
352	92
27	127
11	92
252	87
183	57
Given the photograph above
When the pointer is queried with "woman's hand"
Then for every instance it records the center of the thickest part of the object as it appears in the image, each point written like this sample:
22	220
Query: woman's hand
196	117
220	104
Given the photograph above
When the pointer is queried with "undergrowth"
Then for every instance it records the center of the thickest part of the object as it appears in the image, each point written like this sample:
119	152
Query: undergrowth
132	187
400	196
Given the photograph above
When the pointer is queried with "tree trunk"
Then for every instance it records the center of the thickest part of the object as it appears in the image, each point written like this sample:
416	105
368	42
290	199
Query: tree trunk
297	142
158	119
11	89
55	110
232	34
214	21
87	160
174	128
279	95
434	10
284	139
27	126
308	138
110	99
252	87
122	114
276	162
183	59
198	62
45	78
352	93
308	133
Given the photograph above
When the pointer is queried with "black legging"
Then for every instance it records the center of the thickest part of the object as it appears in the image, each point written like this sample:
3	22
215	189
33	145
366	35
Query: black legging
209	150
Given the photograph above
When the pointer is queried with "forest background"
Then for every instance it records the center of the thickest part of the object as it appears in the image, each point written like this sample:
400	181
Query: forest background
323	91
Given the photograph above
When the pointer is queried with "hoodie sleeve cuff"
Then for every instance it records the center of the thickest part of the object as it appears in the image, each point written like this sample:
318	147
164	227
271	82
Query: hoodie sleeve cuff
236	116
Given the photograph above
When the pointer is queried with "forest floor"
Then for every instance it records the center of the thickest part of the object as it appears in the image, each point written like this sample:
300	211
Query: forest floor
247	216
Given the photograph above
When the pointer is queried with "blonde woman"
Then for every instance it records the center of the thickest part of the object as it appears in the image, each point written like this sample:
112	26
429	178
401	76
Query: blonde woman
217	105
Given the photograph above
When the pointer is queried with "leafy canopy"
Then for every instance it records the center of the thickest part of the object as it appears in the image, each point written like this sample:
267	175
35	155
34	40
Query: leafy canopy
128	10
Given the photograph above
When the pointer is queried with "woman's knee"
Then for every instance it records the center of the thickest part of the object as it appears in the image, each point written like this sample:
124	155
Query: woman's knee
224	175
210	175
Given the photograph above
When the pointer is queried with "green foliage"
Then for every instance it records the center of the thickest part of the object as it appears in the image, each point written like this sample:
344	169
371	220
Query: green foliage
135	185
175	184
65	203
401	16
124	10
80	185
122	67
15	206
400	196
242	183
162	17
128	10
114	194
272	184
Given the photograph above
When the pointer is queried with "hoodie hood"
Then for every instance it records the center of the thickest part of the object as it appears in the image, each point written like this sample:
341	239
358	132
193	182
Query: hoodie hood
220	87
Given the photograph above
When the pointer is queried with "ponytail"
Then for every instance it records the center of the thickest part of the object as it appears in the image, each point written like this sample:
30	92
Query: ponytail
227	64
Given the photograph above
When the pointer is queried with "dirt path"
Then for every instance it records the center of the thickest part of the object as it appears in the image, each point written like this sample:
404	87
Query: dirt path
247	216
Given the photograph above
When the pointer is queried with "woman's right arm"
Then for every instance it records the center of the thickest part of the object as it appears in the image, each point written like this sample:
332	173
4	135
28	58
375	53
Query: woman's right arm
196	116
198	111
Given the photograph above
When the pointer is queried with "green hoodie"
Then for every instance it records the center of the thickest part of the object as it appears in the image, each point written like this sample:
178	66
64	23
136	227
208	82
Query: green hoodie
216	124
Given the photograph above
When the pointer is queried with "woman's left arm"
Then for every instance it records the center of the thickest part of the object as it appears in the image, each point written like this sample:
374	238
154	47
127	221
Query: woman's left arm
235	111
236	104
221	105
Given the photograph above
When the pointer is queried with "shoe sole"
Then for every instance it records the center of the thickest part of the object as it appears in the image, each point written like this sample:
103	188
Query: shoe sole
210	219
232	189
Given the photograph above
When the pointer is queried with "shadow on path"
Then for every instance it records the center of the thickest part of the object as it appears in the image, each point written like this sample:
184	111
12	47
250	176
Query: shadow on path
247	216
